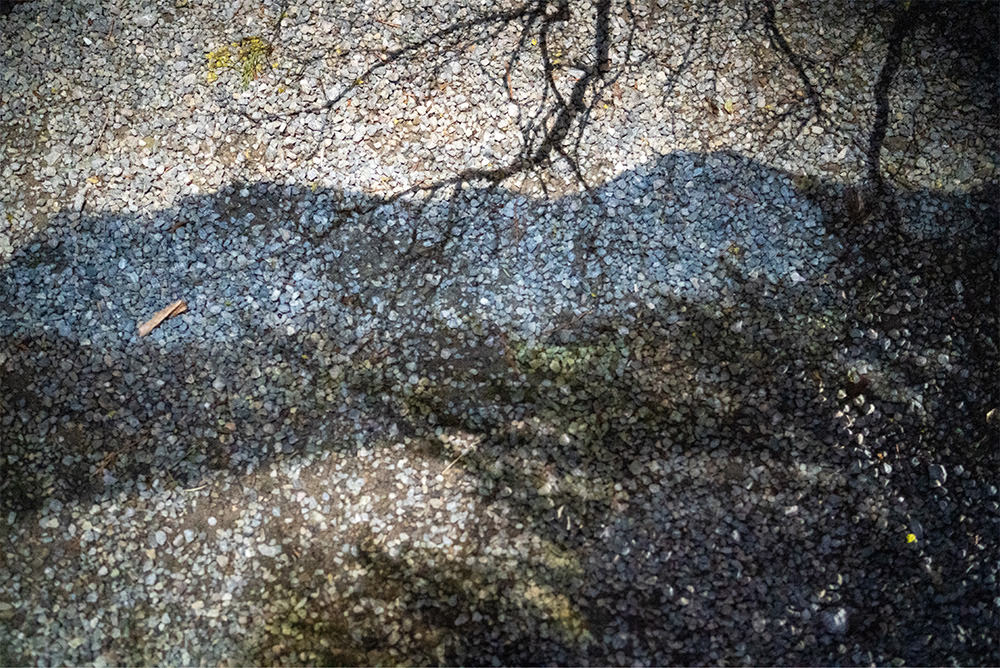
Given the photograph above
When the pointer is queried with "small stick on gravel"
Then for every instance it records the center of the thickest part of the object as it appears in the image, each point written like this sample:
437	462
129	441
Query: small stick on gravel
176	308
453	462
107	119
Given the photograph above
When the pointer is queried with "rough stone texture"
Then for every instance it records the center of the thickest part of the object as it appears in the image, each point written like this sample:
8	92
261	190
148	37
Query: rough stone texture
658	333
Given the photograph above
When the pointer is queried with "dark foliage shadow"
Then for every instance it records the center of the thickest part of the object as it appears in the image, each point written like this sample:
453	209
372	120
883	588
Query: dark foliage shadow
600	417
611	416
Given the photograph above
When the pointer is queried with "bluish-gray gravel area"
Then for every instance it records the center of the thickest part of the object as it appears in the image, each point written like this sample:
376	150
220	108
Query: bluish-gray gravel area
607	334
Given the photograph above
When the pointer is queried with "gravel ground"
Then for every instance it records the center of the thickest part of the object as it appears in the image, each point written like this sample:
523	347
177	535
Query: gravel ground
623	334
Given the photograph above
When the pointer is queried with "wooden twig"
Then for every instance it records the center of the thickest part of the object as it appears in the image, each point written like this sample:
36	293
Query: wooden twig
176	308
386	23
454	461
107	119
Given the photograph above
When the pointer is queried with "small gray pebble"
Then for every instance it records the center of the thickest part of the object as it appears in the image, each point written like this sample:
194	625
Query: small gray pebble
269	550
835	621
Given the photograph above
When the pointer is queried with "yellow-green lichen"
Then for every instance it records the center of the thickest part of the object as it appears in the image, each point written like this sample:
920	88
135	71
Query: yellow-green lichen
250	58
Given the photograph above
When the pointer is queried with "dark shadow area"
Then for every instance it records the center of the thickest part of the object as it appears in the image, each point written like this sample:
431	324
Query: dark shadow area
642	412
658	439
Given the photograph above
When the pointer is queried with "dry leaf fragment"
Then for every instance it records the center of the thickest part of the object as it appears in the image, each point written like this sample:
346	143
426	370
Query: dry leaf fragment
176	308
